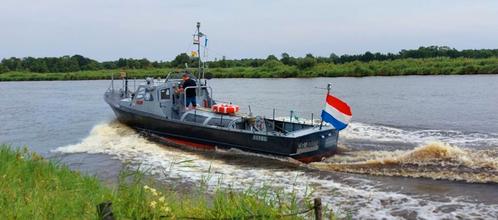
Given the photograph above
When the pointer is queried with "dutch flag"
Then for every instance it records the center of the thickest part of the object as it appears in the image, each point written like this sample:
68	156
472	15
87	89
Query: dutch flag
336	112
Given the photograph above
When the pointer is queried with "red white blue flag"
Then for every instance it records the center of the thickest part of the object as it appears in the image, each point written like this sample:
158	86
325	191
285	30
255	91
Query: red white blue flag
336	112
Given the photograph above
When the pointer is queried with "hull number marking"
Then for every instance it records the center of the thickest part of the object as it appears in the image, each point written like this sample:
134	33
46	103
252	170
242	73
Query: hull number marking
260	138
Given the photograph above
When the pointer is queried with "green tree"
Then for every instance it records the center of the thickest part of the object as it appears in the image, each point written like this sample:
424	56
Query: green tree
256	62
306	62
367	57
109	65
122	63
38	66
272	64
93	65
3	69
13	64
66	64
271	57
180	60
288	60
333	58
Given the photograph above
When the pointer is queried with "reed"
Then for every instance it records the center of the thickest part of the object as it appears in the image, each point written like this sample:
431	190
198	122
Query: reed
32	187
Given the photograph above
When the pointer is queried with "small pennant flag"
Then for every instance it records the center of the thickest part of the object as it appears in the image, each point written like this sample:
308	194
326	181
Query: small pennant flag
122	74
336	112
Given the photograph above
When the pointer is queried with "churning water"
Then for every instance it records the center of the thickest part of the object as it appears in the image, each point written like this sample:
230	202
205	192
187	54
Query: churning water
360	196
442	128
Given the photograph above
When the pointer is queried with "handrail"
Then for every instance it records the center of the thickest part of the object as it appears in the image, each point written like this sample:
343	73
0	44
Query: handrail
302	120
193	87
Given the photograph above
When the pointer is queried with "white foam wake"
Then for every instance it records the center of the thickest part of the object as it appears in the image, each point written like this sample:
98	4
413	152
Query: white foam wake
362	200
380	133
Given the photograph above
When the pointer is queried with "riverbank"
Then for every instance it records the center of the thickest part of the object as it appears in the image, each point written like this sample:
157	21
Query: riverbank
33	187
276	69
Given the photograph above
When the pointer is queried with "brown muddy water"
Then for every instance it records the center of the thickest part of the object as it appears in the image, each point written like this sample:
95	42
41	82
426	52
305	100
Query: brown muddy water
418	147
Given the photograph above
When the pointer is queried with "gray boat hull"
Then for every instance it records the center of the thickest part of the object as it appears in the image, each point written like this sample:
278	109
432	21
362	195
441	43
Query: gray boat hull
306	148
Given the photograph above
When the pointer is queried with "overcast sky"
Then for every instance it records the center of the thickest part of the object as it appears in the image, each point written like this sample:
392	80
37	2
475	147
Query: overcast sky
161	29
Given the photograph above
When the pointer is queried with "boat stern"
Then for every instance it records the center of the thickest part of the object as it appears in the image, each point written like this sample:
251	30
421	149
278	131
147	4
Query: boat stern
316	145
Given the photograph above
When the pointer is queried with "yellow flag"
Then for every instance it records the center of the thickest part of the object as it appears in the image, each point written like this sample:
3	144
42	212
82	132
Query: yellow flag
194	54
122	74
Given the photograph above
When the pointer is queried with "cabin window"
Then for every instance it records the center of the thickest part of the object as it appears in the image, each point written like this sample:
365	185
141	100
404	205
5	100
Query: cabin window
148	97
195	118
165	94
140	93
219	122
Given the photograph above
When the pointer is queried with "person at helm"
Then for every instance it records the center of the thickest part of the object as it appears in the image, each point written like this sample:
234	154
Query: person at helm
189	93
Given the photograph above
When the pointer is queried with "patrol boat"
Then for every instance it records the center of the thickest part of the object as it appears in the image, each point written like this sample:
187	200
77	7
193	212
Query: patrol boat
157	110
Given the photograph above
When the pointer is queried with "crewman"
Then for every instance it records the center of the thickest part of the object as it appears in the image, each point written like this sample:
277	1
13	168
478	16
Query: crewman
190	93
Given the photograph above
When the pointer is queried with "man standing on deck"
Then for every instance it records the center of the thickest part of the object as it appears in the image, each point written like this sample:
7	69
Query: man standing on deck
189	93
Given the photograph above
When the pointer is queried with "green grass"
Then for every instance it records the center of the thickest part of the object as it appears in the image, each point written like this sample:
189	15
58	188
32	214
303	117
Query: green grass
275	69
34	188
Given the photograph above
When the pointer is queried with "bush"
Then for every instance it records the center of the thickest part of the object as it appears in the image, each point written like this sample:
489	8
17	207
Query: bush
272	64
306	63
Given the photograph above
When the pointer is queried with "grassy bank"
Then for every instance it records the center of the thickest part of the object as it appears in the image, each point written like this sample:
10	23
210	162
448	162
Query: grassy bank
276	69
34	188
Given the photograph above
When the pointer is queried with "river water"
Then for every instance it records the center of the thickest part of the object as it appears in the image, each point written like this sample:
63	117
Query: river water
421	147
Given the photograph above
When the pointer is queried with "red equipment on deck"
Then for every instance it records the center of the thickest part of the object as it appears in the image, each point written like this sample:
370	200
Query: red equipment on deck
225	108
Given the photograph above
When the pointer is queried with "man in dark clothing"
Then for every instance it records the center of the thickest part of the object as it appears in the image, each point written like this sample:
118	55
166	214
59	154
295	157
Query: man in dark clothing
190	93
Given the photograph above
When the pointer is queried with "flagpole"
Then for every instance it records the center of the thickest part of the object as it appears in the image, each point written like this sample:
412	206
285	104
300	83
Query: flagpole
328	92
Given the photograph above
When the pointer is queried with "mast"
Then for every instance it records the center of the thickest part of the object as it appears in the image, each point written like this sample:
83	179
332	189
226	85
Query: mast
198	42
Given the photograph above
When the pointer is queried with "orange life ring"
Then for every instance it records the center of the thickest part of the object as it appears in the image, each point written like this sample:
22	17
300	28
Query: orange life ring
225	108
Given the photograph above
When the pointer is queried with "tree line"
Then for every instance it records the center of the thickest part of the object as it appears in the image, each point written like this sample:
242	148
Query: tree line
80	63
73	63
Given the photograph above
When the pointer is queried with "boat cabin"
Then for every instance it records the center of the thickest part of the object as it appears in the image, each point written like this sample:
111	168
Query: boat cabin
161	97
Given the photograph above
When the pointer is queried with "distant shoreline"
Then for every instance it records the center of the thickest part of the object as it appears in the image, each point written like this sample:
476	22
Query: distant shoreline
400	67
